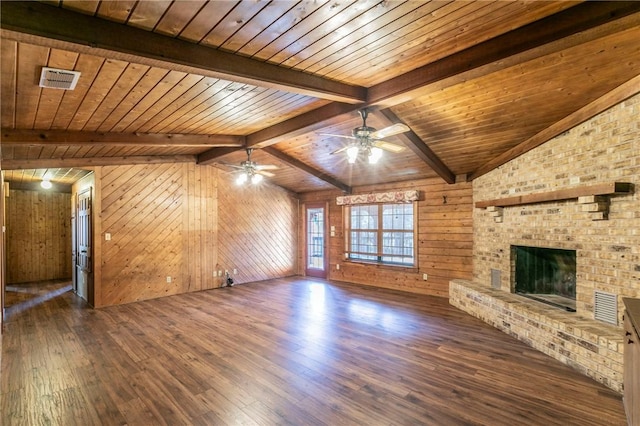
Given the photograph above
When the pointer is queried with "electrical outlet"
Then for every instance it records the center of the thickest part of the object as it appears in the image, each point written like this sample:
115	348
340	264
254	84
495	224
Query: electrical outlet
235	271
168	279
425	276
107	236
338	267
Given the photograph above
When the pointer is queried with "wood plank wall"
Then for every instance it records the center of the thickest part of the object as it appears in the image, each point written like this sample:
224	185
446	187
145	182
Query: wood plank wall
445	239
38	236
155	214
257	234
187	222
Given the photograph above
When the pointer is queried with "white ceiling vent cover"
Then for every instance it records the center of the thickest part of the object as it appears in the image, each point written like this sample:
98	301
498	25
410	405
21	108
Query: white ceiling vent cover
59	79
605	307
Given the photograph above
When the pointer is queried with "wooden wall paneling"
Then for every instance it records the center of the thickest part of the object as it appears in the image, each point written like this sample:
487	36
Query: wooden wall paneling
257	229
50	98
28	91
126	82
8	51
155	89
146	226
108	75
72	100
172	98
163	223
38	236
445	239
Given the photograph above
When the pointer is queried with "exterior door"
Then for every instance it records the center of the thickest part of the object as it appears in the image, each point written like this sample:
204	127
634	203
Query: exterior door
84	275
316	241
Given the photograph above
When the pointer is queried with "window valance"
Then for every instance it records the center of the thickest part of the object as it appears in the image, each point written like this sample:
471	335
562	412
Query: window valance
379	197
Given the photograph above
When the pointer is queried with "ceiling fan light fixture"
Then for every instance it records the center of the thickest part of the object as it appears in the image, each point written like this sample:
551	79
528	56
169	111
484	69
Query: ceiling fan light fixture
242	178
352	154
255	179
375	155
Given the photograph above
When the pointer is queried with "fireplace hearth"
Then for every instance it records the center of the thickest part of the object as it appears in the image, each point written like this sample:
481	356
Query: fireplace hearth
547	275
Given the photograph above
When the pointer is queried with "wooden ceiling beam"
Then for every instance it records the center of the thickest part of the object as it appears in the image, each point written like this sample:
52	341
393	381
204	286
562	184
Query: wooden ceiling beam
418	146
327	115
81	138
46	163
306	168
210	156
574	26
55	27
614	97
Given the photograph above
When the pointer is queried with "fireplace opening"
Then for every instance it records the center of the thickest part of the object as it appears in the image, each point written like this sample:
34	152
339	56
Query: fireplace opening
545	274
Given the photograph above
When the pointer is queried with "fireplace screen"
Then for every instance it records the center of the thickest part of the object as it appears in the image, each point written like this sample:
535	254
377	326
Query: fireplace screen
547	275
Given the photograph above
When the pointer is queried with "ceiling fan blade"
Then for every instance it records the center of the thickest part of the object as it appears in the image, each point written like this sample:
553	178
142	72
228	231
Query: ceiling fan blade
266	167
263	173
338	151
337	136
388	146
394	129
231	166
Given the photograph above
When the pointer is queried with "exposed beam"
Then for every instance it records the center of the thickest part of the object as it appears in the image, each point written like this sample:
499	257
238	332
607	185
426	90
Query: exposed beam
46	163
64	137
574	26
418	146
327	115
306	168
51	26
614	97
212	155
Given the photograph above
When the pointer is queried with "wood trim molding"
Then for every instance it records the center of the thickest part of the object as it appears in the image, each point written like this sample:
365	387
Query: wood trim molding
50	26
211	155
612	188
96	161
614	97
82	138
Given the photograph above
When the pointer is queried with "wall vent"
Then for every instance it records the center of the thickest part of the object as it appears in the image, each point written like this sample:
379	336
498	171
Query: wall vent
58	79
605	307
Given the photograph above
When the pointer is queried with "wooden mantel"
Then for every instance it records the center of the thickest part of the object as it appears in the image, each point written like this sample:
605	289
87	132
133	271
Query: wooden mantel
612	188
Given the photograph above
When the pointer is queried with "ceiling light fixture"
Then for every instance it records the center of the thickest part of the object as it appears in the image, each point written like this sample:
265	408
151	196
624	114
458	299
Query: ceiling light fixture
368	141
46	184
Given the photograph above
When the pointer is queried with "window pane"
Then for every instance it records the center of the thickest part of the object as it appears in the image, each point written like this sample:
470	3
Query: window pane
397	241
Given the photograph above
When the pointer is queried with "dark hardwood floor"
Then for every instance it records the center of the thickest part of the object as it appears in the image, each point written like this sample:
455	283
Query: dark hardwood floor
289	351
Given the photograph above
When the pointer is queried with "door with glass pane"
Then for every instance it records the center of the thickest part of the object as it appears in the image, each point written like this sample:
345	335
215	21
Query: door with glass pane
316	242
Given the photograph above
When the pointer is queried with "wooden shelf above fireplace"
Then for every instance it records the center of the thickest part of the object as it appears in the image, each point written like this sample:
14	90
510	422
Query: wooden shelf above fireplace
602	189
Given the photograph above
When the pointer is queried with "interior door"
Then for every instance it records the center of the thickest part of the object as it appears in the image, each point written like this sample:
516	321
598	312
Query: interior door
84	275
316	241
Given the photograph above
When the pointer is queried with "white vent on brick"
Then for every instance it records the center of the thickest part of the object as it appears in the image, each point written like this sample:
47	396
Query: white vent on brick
58	79
605	307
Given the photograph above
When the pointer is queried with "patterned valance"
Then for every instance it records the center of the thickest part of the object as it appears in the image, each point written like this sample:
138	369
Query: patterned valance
380	197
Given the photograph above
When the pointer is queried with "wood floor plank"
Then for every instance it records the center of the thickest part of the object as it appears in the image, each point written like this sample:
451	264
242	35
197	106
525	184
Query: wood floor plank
291	351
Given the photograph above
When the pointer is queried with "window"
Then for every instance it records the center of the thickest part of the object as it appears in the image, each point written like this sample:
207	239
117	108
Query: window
381	233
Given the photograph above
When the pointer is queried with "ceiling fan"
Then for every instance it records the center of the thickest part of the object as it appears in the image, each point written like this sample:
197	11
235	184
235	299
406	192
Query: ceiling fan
251	171
369	141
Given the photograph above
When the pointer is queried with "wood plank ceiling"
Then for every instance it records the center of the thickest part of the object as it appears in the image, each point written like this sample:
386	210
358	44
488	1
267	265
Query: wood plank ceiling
163	81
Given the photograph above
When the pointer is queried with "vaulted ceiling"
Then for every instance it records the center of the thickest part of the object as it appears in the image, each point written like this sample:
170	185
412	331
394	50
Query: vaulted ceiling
478	83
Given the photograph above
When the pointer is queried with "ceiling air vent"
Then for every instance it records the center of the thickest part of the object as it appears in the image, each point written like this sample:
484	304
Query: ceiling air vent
58	79
605	307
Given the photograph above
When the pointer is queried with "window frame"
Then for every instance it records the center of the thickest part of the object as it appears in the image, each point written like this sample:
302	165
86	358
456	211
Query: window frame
380	231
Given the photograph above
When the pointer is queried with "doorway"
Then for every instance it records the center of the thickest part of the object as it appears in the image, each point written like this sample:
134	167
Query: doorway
316	264
83	246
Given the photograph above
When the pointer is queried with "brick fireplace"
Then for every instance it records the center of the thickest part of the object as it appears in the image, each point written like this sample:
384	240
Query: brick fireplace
604	232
